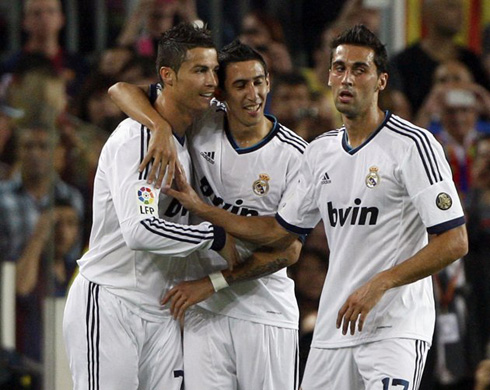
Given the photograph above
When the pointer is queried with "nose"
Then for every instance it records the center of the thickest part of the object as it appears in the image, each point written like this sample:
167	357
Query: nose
347	77
251	91
212	79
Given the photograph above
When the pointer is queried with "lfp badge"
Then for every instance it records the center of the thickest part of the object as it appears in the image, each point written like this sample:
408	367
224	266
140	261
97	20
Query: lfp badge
146	200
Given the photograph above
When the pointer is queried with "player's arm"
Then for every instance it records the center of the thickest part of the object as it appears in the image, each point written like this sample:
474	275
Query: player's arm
133	101
441	251
262	231
137	208
261	263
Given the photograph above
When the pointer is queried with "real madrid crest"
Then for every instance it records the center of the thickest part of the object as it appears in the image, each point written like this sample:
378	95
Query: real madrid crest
261	186
444	201
372	179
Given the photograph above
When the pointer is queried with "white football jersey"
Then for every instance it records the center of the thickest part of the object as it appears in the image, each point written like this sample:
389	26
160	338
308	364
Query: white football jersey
246	181
377	202
139	237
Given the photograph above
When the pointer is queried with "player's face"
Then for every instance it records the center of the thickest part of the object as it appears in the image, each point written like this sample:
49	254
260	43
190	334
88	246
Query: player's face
354	80
196	80
246	89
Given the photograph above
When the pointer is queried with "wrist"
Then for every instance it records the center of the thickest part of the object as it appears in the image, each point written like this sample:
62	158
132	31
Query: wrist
218	281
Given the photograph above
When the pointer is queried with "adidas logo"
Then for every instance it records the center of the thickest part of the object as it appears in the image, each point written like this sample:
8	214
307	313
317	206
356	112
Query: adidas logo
209	156
325	179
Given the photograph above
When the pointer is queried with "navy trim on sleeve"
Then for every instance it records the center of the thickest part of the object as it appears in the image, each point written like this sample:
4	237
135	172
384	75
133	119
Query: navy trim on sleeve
219	238
445	226
292	228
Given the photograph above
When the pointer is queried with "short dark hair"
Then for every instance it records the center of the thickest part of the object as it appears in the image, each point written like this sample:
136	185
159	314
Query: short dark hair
236	52
360	35
175	42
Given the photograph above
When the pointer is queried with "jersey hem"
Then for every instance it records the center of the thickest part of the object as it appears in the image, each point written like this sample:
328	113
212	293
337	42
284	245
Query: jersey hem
292	228
263	321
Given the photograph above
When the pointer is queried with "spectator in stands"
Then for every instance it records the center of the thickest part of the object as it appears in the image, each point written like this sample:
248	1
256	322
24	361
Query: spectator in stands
42	22
23	199
450	75
416	64
266	35
7	138
477	265
44	269
150	18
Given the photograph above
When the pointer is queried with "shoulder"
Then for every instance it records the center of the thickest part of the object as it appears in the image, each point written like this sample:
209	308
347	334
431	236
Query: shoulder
290	139
407	132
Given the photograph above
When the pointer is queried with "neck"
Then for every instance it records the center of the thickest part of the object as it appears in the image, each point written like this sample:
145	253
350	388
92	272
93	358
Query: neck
45	45
179	118
247	136
361	127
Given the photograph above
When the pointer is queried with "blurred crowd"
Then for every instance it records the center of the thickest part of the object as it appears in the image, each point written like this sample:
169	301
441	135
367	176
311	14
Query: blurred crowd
55	115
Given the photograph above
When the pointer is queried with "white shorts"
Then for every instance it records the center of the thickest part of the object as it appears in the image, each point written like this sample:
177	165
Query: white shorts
110	348
392	364
224	353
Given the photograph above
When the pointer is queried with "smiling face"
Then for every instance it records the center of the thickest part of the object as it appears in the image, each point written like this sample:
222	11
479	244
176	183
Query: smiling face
355	81
194	84
245	94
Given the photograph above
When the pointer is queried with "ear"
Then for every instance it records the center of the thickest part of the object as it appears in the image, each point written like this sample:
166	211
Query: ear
268	82
382	81
168	75
329	75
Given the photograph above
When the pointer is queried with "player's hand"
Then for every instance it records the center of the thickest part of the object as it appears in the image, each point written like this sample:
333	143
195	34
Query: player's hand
184	193
359	304
229	252
482	375
163	153
186	294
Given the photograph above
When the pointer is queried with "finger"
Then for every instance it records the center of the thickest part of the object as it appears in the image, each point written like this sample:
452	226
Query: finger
145	162
169	295
156	166
182	309
345	324
170	173
353	322
176	304
340	315
360	323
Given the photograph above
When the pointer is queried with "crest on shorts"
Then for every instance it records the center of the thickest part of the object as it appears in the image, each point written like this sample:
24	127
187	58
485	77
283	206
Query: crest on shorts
261	186
372	179
444	201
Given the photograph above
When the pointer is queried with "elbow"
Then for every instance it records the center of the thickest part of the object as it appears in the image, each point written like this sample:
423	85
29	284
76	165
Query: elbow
459	243
294	252
114	90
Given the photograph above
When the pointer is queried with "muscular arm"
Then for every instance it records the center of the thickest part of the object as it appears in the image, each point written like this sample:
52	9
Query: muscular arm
441	251
261	263
133	101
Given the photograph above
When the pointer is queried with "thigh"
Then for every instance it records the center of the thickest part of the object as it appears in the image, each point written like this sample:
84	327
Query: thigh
266	356
102	350
392	364
161	364
209	359
331	369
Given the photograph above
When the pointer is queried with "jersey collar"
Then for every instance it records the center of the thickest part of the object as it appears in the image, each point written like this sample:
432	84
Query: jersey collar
258	145
350	150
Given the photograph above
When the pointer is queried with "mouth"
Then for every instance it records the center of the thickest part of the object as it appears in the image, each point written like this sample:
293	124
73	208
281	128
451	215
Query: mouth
208	95
253	109
345	96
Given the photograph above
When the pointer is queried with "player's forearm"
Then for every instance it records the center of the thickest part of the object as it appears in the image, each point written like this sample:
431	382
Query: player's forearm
263	263
441	251
133	101
263	231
